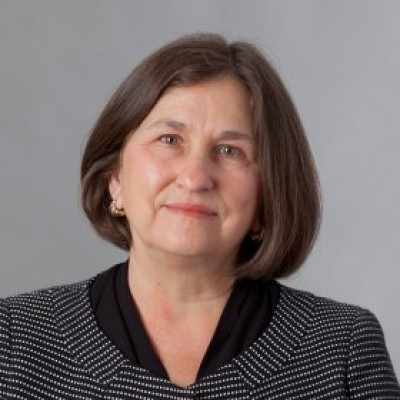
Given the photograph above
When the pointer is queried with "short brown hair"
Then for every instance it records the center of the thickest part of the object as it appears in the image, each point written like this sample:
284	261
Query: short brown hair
289	203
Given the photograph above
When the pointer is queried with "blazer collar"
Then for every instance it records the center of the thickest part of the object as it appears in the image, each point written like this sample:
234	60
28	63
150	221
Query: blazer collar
94	351
288	326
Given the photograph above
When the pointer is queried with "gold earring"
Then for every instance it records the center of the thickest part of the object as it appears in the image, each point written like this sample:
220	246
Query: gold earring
115	210
257	236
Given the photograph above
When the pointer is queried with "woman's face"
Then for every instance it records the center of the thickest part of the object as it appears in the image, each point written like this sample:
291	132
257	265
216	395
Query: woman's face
188	180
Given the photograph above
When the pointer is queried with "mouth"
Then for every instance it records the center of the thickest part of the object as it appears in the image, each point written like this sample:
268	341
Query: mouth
191	210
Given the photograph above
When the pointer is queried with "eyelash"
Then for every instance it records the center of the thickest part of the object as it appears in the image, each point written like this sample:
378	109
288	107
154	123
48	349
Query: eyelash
177	140
164	139
238	152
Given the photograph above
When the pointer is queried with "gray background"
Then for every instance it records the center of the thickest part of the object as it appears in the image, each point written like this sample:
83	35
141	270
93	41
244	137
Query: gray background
61	60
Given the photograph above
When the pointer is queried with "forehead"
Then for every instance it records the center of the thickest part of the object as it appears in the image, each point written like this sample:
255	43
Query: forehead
219	99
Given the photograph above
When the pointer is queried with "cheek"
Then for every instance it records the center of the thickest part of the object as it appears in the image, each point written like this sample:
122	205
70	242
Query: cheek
251	185
243	191
142	177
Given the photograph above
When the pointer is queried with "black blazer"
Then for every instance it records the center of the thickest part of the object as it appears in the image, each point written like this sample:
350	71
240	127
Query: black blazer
314	348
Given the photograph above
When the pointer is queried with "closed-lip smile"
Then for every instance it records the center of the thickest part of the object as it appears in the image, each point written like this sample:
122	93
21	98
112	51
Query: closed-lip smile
191	209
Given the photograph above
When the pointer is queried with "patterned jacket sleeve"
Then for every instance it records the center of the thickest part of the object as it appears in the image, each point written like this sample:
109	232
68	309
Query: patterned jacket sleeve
370	371
4	343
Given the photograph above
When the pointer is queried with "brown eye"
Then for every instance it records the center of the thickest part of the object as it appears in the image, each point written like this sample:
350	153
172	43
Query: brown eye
171	140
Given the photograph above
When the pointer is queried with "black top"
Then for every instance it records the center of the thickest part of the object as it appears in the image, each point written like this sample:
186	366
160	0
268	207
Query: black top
245	317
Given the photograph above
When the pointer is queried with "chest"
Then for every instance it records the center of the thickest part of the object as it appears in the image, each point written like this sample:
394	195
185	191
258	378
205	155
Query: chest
181	346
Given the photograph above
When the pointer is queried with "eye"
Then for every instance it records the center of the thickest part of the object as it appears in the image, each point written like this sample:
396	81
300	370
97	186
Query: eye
229	151
171	140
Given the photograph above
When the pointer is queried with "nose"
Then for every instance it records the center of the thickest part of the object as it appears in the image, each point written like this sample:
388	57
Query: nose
195	174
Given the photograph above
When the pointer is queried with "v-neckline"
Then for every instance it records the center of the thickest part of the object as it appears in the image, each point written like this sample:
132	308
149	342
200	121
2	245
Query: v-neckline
98	355
234	331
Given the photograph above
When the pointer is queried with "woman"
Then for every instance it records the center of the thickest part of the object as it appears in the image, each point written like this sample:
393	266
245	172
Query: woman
199	167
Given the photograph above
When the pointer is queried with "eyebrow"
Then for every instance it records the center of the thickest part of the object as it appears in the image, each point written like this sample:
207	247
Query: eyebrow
170	123
180	126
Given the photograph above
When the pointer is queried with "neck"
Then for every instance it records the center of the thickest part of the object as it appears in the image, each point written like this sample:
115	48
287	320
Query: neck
179	281
180	301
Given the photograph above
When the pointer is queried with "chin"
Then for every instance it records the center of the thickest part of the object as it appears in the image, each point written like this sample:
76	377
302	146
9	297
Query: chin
184	248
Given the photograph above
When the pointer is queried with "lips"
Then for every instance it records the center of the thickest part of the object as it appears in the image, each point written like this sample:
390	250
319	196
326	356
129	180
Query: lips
193	210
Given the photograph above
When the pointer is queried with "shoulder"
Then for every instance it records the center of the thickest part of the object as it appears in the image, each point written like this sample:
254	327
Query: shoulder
46	306
35	310
315	343
29	326
352	334
325	309
42	300
332	324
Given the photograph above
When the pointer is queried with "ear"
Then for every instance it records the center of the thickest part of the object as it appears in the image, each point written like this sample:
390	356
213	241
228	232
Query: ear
114	187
